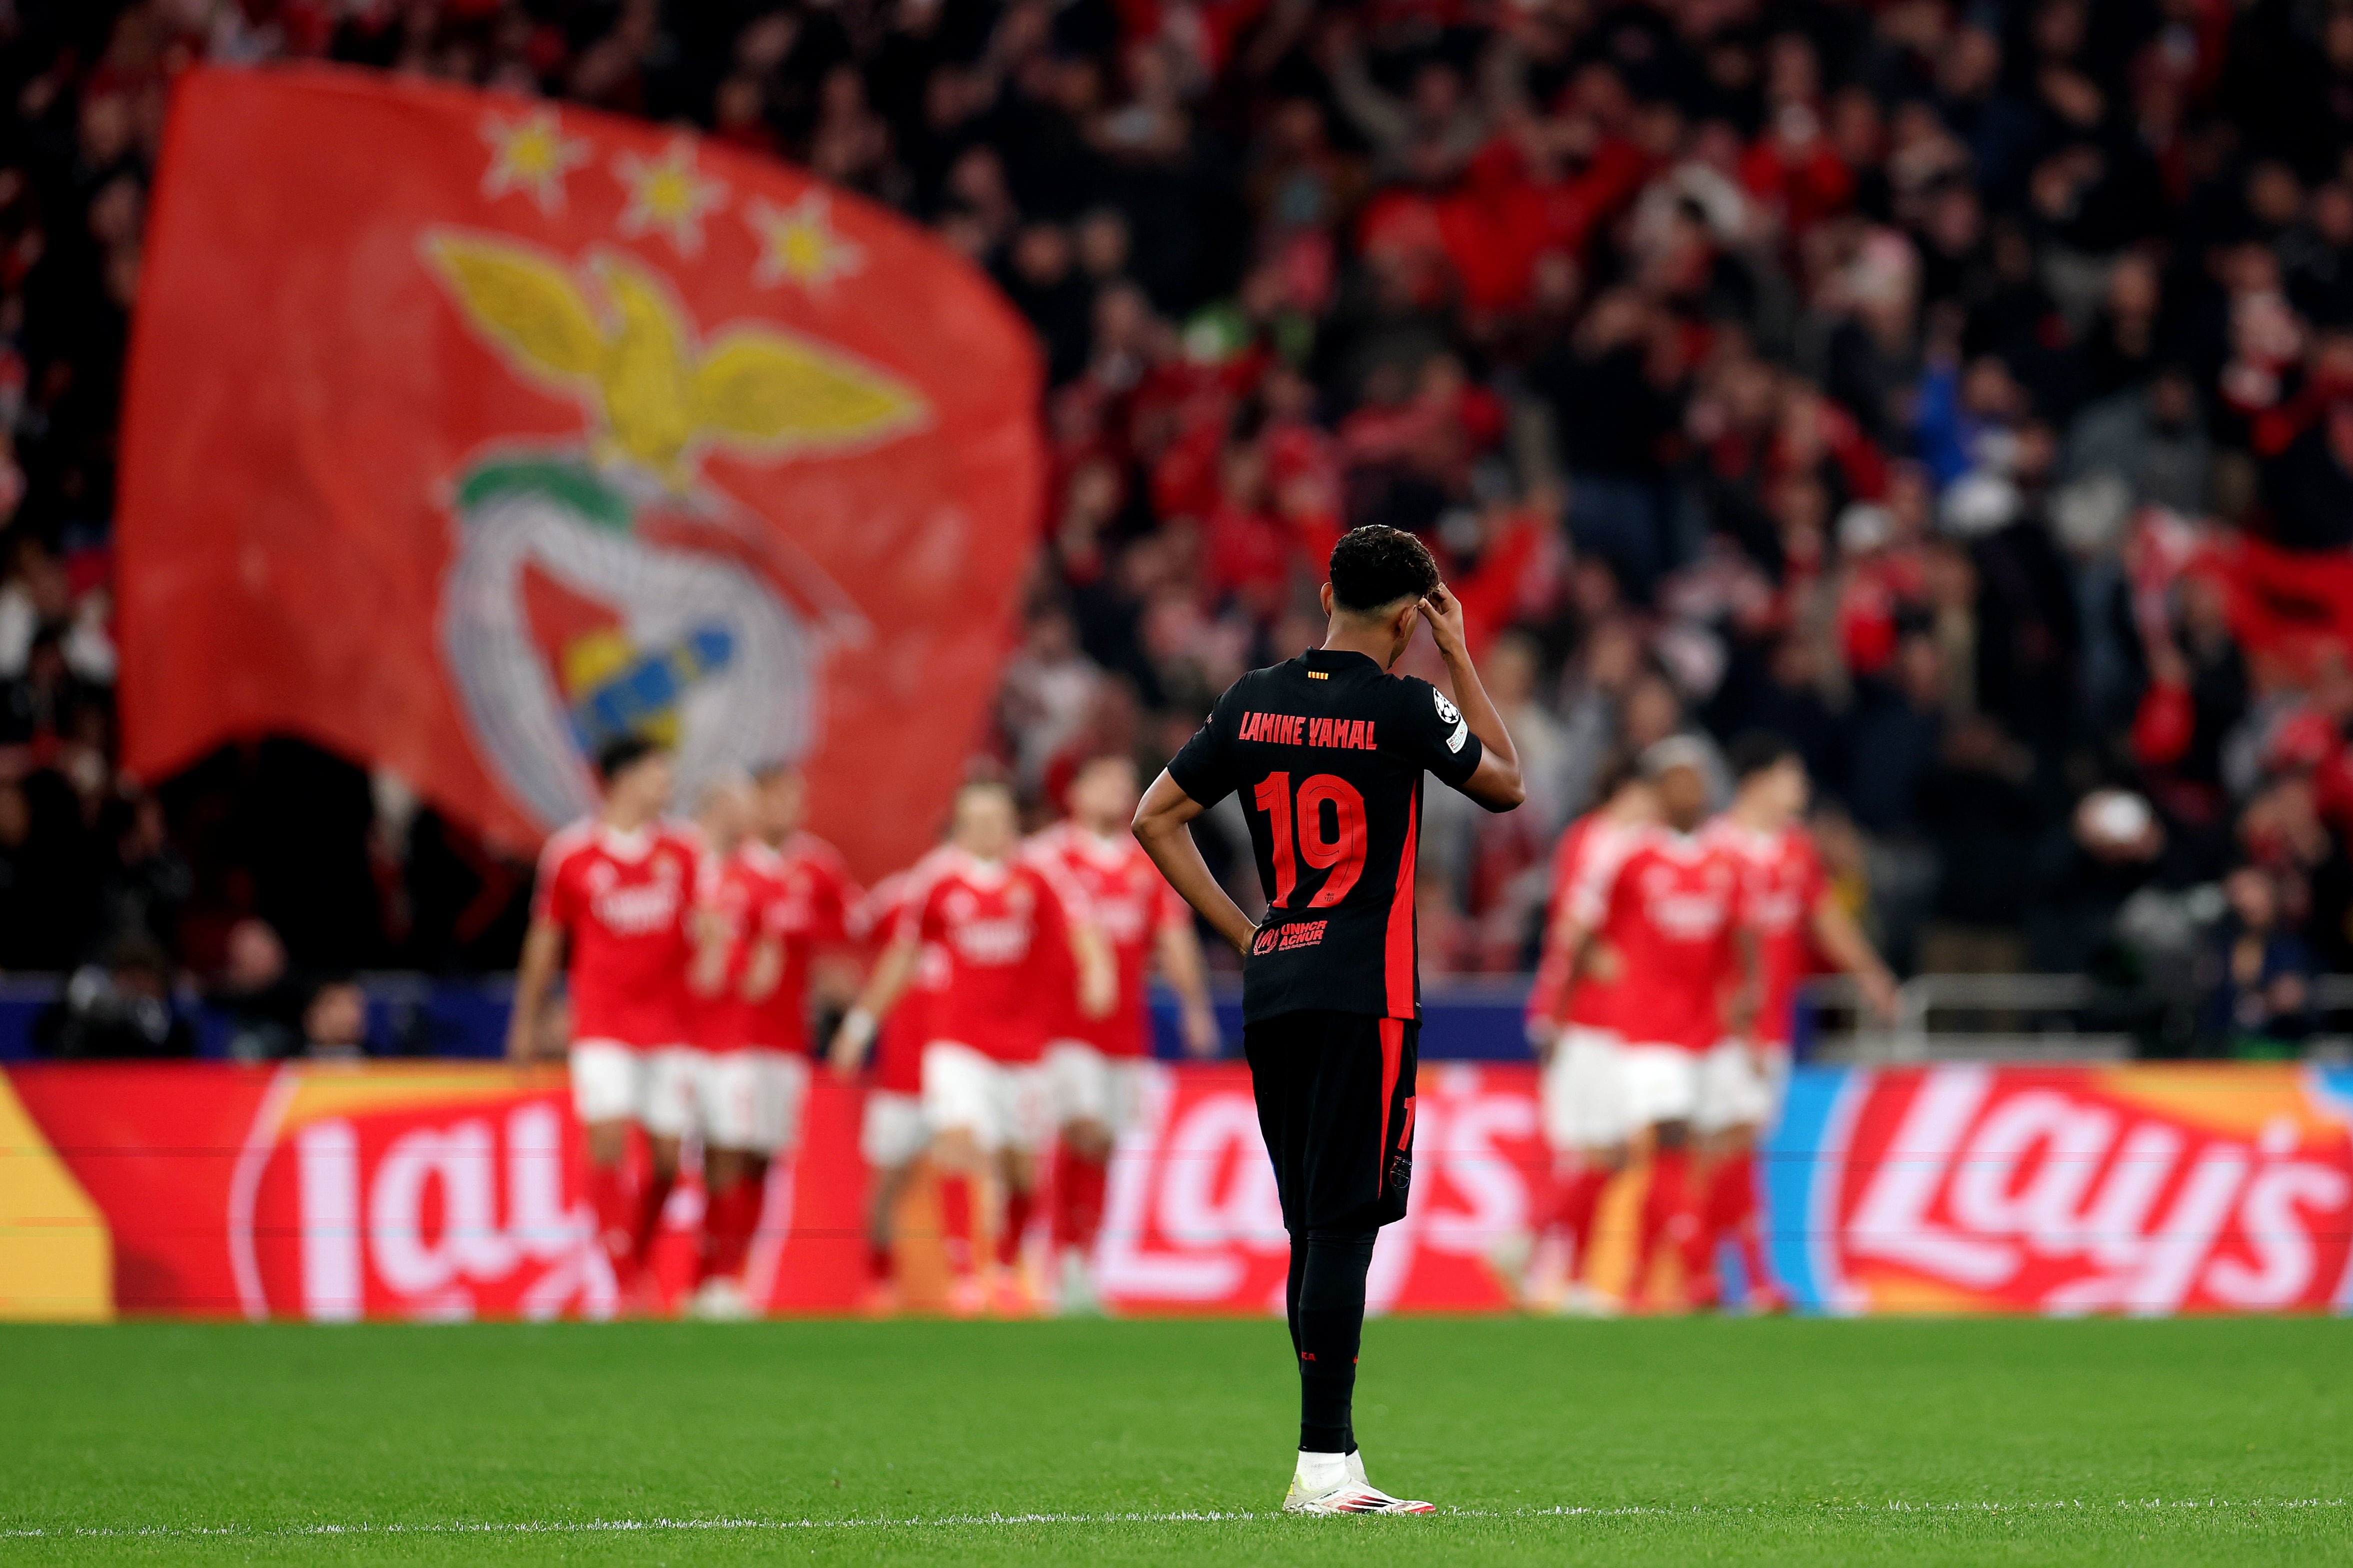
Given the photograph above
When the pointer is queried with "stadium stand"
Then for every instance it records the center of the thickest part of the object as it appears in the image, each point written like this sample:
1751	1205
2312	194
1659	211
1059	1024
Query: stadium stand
1910	379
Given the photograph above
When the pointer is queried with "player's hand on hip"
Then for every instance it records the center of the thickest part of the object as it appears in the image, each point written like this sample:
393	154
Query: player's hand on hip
1444	613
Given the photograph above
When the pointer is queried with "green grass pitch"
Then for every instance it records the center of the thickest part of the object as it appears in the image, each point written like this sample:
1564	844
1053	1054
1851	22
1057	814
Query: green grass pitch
1647	1442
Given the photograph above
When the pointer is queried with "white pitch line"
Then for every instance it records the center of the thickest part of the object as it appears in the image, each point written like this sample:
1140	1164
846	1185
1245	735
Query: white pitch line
612	1526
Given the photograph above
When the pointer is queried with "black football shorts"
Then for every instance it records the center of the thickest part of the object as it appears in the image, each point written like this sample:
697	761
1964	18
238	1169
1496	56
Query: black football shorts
1335	1102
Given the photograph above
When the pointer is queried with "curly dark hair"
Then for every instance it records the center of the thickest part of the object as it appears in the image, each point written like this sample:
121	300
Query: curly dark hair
1373	567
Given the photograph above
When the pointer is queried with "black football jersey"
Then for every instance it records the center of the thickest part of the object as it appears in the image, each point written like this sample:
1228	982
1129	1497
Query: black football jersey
1327	751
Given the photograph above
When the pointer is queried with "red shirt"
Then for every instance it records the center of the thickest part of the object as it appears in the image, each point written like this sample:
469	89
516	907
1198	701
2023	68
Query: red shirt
1590	849
1005	926
621	899
809	898
1782	885
1131	904
731	892
898	1058
1671	908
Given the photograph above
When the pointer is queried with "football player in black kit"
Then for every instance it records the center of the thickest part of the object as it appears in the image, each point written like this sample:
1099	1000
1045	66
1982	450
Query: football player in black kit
1328	750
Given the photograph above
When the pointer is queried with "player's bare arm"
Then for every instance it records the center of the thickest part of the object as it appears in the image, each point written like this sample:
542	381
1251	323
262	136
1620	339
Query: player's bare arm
763	969
1162	826
707	973
1098	971
893	973
1179	952
543	948
1740	1010
1847	947
1497	783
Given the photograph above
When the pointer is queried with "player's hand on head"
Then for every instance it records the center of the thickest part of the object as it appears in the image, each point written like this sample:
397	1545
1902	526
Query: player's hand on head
1444	613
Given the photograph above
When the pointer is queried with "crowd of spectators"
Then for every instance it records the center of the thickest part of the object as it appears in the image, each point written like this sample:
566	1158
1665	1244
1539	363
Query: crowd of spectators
1896	376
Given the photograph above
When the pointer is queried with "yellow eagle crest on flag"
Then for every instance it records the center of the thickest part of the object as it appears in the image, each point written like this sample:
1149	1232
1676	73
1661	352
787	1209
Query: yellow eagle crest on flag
658	394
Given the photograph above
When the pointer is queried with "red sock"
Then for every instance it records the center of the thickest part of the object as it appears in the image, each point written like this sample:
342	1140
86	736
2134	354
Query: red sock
1061	1224
955	1222
1017	1204
1580	1197
880	1262
1078	1200
1666	1211
728	1223
1734	1211
651	1197
609	1200
1698	1234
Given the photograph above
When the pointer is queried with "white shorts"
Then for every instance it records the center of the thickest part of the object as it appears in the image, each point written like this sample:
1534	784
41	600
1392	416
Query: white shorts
1583	1091
1661	1083
1001	1104
892	1132
614	1082
751	1099
1083	1084
1735	1090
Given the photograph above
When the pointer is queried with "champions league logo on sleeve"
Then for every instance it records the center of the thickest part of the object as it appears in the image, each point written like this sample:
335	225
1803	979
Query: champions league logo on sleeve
606	591
1449	714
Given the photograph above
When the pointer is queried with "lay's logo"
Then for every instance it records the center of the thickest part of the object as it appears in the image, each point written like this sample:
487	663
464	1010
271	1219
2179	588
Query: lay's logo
2143	1190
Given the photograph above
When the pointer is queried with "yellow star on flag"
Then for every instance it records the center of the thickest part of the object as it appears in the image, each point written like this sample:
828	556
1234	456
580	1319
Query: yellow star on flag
530	153
799	243
668	193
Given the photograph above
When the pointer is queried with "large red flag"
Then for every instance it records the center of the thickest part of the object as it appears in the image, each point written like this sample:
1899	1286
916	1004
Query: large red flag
464	432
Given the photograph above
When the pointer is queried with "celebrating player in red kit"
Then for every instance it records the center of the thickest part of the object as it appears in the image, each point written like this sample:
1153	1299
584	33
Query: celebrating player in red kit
777	896
1013	931
1671	910
1574	1028
1794	913
614	893
891	1132
1091	1064
1328	749
731	886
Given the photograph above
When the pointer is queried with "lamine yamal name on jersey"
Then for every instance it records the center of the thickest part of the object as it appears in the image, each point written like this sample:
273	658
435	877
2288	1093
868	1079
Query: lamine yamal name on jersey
1299	729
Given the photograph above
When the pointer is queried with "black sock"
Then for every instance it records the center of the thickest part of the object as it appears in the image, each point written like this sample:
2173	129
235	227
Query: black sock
1330	1268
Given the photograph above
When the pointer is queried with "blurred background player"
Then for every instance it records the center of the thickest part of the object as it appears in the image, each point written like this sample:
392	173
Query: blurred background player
733	883
612	901
1007	923
805	911
1574	1029
1670	909
1093	1065
1787	903
891	1132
